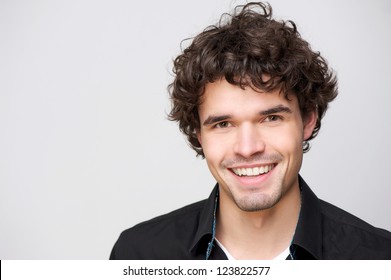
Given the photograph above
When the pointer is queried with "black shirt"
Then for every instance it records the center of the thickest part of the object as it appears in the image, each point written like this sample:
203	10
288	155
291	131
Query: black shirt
323	232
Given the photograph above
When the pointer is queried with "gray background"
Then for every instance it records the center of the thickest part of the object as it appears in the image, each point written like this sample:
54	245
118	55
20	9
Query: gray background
85	147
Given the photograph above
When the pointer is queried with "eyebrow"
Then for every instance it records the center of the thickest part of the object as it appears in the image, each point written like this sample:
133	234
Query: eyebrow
274	110
215	119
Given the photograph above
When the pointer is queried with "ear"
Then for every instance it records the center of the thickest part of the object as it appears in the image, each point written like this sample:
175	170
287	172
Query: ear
198	132
309	124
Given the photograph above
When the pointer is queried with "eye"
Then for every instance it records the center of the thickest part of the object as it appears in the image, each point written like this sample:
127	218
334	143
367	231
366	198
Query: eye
273	118
224	124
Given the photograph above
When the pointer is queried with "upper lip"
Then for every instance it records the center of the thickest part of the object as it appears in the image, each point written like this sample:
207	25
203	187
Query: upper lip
253	165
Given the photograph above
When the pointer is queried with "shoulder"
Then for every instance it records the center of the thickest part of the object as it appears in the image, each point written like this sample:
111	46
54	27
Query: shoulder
182	218
349	237
161	236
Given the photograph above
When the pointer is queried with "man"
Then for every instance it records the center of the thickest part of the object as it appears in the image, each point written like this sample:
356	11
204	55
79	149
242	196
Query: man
249	94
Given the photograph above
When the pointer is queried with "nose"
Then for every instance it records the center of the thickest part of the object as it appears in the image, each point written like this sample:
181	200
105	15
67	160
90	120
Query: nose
248	141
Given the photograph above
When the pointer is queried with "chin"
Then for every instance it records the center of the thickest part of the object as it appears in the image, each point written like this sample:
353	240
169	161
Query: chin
257	202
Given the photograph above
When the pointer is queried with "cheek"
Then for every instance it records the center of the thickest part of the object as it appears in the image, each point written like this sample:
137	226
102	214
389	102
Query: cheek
214	153
287	140
216	149
213	148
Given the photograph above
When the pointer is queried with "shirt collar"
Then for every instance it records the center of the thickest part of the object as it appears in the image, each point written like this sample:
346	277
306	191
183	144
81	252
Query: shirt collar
307	241
205	224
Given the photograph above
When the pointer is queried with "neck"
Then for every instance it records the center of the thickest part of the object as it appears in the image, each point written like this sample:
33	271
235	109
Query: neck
260	234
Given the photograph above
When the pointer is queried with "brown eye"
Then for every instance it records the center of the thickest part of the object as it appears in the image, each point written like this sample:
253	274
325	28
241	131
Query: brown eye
223	125
273	118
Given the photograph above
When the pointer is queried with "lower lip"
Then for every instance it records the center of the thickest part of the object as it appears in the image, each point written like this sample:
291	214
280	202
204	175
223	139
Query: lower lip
253	180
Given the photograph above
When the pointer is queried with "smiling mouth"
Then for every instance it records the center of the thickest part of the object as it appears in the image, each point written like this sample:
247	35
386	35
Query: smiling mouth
254	171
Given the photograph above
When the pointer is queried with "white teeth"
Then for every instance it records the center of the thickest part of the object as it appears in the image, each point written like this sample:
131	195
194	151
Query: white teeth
252	171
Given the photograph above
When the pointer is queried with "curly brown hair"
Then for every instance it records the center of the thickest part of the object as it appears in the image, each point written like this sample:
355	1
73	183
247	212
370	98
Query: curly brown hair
244	48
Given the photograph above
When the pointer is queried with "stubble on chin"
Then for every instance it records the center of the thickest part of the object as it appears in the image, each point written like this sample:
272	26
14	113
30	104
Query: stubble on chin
256	202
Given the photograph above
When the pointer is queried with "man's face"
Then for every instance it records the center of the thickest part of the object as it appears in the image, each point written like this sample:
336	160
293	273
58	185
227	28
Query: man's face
252	142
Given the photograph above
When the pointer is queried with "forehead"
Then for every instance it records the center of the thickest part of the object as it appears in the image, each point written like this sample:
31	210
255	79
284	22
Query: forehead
221	97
